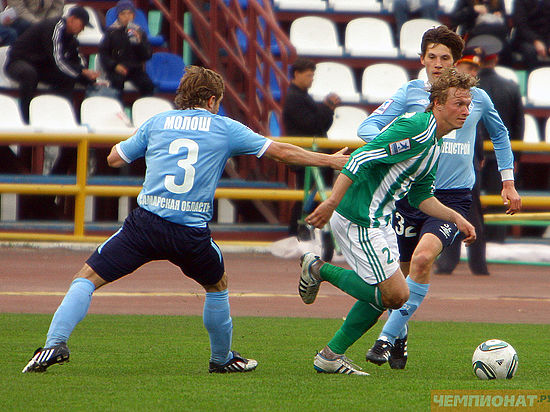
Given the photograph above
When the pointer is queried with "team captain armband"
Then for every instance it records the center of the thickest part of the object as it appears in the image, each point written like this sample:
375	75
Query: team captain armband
507	174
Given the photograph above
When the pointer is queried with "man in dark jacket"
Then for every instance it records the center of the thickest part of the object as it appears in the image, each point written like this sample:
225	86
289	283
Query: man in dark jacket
124	51
532	34
302	117
48	52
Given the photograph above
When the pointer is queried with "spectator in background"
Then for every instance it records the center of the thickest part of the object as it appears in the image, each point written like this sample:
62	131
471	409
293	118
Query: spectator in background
532	31
7	33
124	50
481	61
33	11
302	116
403	9
477	17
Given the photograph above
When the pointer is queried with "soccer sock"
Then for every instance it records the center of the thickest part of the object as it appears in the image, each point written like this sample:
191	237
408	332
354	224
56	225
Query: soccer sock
398	319
351	283
72	310
361	317
218	323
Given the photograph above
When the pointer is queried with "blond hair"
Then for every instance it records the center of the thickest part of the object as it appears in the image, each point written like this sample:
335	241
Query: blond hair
450	77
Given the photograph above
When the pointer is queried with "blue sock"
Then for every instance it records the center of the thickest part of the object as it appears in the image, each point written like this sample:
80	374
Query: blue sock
71	311
397	321
219	325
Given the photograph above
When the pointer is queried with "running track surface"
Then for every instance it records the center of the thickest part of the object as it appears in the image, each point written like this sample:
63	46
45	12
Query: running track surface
35	280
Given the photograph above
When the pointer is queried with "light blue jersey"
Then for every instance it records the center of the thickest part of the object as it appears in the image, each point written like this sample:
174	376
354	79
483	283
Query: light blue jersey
185	153
456	166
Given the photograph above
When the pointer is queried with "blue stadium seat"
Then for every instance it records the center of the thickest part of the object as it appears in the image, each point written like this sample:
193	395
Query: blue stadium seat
165	70
140	20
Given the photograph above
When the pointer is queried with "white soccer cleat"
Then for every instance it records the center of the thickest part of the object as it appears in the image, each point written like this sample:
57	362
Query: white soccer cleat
339	365
308	286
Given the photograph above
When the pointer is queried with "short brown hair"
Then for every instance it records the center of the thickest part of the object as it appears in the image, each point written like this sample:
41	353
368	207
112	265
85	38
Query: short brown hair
301	65
197	86
450	77
442	35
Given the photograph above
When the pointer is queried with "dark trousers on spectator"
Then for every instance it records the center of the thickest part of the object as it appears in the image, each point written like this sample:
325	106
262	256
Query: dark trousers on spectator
28	76
138	77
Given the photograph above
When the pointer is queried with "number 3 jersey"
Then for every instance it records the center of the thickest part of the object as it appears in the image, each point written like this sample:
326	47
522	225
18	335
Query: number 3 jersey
401	159
185	152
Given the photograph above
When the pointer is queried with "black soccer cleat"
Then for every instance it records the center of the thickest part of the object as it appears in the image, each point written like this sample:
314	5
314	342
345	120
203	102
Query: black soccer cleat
43	358
380	352
236	364
398	354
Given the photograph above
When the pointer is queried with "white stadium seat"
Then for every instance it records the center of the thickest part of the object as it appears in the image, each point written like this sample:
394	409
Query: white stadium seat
531	133
312	35
346	122
146	107
507	73
381	80
538	87
310	5
411	34
422	75
368	36
10	116
331	77
105	115
5	81
368	6
51	113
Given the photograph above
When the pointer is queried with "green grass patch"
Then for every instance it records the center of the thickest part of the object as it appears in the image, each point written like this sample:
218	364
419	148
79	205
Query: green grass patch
150	363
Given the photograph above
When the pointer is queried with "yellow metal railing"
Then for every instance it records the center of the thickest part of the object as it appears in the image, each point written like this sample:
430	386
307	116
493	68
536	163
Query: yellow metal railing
81	189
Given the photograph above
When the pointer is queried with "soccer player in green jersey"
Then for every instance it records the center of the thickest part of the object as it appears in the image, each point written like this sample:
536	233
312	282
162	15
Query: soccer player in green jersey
401	160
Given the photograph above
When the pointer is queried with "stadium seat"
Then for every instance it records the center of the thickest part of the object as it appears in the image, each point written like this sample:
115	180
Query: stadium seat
422	75
367	6
141	20
538	87
446	6
5	81
165	70
346	122
370	36
90	36
52	113
105	115
507	73
509	7
531	133
410	36
309	5
146	107
381	80
312	35
331	77
10	116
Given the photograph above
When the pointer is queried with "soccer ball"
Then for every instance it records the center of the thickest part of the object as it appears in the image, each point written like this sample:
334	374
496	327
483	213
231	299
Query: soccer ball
495	359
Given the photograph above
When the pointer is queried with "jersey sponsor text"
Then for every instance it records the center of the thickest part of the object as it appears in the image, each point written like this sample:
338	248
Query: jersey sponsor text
174	204
456	148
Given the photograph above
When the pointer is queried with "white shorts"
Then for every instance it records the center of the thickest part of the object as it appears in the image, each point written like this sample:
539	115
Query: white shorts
371	252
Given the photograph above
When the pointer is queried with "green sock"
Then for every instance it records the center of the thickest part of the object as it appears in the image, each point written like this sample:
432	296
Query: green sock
361	317
351	283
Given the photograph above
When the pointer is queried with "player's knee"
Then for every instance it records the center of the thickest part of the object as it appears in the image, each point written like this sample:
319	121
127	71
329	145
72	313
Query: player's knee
423	260
396	299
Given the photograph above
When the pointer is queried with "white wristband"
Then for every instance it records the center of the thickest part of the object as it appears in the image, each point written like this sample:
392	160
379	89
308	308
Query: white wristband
507	174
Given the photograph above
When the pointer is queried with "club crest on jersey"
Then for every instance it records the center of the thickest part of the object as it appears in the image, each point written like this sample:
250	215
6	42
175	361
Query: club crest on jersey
400	146
383	107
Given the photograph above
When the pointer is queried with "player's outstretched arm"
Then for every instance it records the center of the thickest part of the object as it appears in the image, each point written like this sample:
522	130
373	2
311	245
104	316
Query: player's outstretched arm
288	153
435	208
510	197
322	213
114	159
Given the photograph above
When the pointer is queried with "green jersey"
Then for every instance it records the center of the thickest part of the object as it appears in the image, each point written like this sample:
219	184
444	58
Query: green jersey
401	160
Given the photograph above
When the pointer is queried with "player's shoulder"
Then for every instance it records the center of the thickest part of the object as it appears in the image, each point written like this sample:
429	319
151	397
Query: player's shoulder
416	84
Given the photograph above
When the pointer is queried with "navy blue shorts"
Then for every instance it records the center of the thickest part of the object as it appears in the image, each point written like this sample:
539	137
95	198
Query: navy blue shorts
410	224
145	237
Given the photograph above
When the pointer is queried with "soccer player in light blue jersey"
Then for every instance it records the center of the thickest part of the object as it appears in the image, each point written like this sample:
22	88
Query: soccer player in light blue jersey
185	153
421	238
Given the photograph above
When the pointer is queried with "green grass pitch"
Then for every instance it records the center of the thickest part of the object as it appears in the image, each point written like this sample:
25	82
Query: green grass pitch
150	363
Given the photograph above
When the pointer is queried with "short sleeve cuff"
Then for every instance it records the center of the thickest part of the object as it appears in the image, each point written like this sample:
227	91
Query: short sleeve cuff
121	153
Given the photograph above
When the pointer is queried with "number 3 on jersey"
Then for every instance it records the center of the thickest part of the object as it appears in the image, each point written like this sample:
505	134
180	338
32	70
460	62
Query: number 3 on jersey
186	164
399	226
